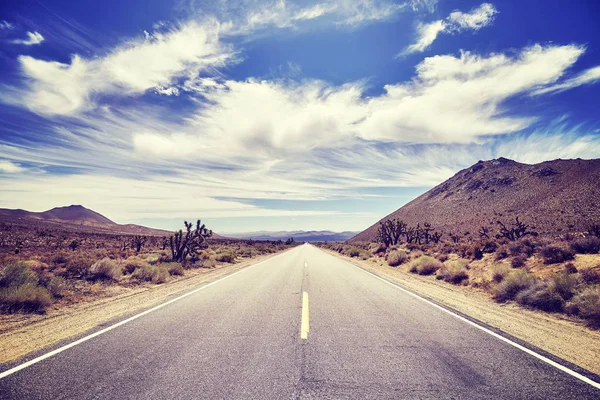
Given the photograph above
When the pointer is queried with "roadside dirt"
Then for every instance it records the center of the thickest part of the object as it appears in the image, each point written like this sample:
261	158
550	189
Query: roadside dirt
22	334
557	334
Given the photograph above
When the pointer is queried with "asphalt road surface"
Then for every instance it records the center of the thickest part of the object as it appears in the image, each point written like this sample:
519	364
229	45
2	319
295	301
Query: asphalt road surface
241	338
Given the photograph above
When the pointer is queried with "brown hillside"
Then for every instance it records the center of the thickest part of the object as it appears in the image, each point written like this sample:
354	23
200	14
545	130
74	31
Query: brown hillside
75	218
555	196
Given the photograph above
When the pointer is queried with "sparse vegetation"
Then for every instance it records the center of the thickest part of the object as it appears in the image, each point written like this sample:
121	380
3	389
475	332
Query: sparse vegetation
425	265
397	257
589	245
556	255
514	282
453	272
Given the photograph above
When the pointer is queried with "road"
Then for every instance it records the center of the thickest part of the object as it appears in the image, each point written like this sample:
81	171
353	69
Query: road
240	338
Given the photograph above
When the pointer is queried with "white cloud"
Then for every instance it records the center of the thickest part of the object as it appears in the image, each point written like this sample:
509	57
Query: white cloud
457	21
10	167
476	19
131	69
426	33
591	75
451	99
32	39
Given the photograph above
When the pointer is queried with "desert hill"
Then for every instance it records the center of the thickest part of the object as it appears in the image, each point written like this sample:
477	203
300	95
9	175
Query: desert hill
75	217
555	196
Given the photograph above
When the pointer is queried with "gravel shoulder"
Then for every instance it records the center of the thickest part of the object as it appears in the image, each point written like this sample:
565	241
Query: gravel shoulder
554	333
22	334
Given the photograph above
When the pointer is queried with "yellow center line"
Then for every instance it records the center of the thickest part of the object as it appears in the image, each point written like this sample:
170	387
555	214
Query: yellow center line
304	326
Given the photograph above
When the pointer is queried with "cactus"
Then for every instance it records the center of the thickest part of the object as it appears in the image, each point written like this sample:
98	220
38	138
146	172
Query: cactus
188	243
138	242
517	231
74	244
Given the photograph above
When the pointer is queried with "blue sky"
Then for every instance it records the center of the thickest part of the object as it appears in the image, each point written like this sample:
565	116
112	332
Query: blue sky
283	115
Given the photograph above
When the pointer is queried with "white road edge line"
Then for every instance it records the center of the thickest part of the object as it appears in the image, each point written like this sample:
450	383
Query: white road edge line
489	332
110	328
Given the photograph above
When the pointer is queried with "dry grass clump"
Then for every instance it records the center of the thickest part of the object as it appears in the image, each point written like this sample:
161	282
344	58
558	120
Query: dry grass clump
513	283
396	257
174	268
226	256
586	305
499	271
518	261
106	269
454	272
134	262
20	290
590	275
425	265
556	255
589	245
540	296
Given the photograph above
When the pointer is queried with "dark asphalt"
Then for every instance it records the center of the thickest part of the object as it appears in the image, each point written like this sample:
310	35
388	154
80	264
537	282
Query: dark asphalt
240	339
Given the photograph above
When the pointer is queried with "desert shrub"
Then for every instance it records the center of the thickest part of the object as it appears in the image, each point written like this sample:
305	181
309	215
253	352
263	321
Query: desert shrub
556	255
56	285
209	263
453	272
174	268
134	262
489	246
589	275
162	276
28	297
396	257
17	274
501	253
78	265
354	251
542	297
564	284
443	257
377	248
587	305
60	259
523	247
425	265
146	273
153	258
474	252
588	245
513	283
105	269
499	272
570	268
226	256
518	261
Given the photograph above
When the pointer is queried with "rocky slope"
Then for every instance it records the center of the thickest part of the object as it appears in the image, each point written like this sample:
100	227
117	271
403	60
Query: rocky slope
555	196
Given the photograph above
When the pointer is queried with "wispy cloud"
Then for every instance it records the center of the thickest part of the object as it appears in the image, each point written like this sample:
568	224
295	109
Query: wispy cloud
457	21
10	167
33	38
6	25
131	69
588	76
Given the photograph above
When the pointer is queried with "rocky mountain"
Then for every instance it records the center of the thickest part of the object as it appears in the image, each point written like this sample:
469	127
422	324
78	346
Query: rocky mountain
554	196
76	217
299	236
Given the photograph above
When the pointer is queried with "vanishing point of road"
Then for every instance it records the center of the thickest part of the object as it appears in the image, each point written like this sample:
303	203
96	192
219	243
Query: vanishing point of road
301	325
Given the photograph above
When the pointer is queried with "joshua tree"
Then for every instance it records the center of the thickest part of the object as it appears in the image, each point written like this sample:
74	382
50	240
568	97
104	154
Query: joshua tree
594	230
516	231
484	233
74	245
390	231
455	238
138	242
189	242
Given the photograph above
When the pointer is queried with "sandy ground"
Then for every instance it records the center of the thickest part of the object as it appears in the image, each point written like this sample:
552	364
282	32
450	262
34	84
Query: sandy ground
22	334
557	334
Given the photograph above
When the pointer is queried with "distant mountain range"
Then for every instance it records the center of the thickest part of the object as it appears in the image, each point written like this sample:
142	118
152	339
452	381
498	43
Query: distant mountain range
299	236
554	196
76	217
